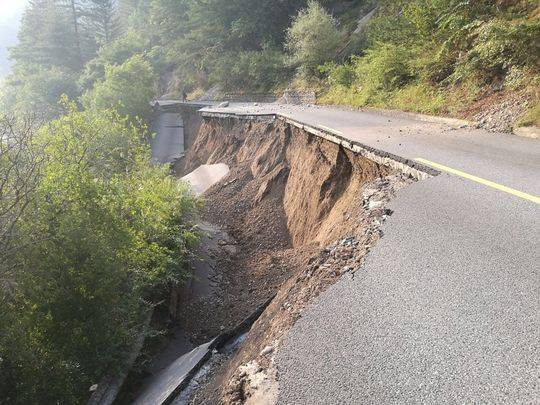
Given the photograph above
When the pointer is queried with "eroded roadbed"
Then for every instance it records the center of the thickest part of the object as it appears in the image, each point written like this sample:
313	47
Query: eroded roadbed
303	212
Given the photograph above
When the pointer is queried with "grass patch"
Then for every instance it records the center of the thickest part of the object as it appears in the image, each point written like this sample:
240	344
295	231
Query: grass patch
416	97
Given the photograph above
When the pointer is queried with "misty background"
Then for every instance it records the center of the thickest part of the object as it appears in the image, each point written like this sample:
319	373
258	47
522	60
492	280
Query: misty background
10	16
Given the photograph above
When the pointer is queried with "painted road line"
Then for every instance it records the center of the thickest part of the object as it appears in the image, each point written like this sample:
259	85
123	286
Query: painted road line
480	180
334	131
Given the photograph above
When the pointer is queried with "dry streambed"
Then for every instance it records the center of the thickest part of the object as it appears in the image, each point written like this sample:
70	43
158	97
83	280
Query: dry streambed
286	214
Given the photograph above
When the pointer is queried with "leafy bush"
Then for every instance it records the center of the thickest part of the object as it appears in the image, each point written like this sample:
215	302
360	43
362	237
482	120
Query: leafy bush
128	88
384	68
312	39
499	45
113	54
339	75
433	56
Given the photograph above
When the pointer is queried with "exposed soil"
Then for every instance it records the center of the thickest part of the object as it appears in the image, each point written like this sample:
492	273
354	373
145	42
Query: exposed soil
303	213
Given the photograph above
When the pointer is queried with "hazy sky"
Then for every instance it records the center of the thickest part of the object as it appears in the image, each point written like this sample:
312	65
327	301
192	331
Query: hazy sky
10	15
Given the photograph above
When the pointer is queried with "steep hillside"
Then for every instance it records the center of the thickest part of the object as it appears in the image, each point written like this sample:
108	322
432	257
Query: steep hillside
477	60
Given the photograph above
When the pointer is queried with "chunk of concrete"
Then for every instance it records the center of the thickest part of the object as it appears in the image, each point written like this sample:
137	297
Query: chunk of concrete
205	176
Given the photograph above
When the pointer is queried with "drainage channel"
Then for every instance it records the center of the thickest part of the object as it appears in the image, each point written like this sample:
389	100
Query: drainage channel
173	383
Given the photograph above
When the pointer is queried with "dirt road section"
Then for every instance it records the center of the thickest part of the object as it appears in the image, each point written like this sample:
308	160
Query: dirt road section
302	212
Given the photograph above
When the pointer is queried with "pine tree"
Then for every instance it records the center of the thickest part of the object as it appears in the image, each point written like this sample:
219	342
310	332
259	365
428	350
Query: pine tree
74	10
47	37
100	21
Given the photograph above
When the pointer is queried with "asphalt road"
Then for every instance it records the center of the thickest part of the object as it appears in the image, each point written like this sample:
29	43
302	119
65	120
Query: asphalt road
447	307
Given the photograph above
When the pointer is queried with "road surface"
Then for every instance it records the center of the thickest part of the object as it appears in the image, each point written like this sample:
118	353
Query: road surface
447	307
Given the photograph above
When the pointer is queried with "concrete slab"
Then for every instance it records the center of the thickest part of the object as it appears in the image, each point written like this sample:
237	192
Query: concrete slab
164	384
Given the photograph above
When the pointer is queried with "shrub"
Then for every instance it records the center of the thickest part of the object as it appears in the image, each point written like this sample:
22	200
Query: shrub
384	68
338	75
112	54
312	39
250	71
38	90
498	45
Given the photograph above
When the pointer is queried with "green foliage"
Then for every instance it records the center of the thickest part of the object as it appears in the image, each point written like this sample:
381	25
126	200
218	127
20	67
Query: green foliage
498	45
457	39
38	90
99	20
115	53
59	37
338	75
104	238
47	37
531	117
252	71
128	87
312	39
432	56
168	19
417	97
384	68
214	34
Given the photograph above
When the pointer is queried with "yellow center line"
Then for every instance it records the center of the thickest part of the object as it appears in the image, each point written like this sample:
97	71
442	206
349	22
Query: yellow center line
480	180
335	131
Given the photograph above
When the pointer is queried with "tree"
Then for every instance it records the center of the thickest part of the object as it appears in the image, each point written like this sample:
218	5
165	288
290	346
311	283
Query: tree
312	39
168	19
76	26
21	163
47	37
126	8
36	89
218	31
128	87
116	53
100	21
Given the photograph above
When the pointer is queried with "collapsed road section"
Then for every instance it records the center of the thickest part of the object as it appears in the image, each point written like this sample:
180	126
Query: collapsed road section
302	208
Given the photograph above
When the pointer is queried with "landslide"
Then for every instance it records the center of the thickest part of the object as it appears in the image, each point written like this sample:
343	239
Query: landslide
303	212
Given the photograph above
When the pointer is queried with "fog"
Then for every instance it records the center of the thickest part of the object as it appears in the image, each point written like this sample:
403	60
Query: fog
10	15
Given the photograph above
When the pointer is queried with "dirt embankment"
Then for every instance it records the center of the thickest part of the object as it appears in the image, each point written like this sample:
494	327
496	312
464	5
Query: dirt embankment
303	212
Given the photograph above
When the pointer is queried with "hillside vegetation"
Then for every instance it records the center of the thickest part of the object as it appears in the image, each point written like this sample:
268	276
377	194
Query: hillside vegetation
442	56
92	235
430	56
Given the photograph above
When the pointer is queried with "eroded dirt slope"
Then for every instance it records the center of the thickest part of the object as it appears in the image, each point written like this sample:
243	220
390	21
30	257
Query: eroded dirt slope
303	212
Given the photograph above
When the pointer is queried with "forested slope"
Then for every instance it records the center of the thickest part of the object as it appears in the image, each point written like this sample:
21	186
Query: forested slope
432	56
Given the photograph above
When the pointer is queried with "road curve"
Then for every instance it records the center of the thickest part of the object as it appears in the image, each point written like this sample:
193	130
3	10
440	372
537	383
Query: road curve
447	307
